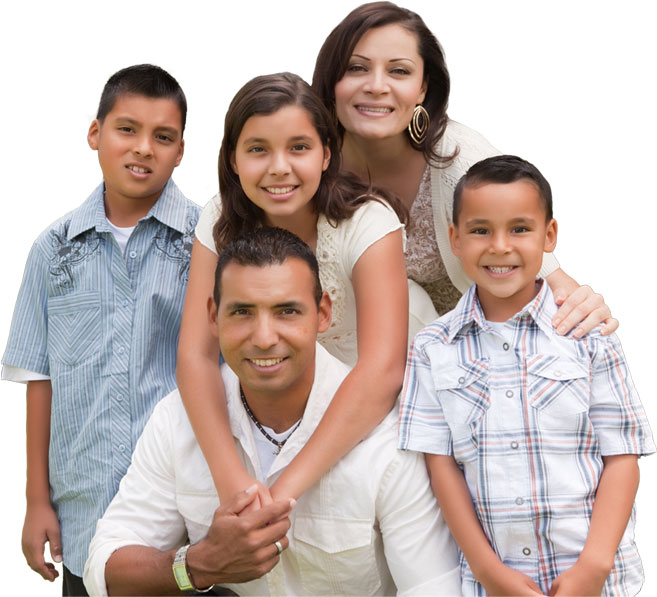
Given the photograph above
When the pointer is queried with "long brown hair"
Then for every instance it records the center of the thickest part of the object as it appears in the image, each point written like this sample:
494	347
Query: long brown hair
339	193
333	60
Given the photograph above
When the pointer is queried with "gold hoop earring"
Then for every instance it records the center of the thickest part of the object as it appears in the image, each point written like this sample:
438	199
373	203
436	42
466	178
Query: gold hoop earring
419	125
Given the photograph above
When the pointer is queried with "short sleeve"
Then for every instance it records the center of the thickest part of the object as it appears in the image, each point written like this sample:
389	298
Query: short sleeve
615	409
369	223
206	222
27	346
550	265
422	423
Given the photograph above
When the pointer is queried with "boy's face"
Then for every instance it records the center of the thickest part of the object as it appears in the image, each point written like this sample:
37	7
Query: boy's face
500	238
139	144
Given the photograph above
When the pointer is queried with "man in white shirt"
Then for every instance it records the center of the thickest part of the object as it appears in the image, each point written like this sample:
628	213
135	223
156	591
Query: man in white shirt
369	526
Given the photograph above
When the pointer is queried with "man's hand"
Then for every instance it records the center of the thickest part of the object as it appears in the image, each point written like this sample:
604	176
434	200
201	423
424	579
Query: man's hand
239	548
41	526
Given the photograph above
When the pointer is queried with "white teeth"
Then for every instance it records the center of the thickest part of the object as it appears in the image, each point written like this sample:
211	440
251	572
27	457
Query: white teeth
374	109
266	362
500	270
138	169
279	190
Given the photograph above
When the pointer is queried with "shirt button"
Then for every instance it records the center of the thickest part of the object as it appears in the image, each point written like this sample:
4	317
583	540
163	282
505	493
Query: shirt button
121	448
557	373
509	394
461	380
520	501
119	398
505	346
121	350
125	302
133	254
526	550
514	445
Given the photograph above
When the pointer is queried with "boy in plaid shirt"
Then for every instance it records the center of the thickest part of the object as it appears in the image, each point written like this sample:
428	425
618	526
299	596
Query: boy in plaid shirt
531	439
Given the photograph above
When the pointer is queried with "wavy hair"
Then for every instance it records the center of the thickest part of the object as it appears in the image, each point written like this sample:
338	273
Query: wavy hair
333	60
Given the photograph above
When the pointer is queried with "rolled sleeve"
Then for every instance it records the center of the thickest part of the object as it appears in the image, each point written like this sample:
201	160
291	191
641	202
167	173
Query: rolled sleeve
419	548
144	511
422	424
615	409
27	346
206	222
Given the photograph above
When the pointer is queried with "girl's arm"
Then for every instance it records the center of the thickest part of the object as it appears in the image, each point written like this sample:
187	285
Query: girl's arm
452	493
369	391
201	384
579	305
611	512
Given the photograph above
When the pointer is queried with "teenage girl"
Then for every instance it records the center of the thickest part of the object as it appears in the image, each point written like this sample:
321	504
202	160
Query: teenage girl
279	166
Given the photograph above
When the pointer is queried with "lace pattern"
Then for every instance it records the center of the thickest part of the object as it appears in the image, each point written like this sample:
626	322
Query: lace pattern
423	261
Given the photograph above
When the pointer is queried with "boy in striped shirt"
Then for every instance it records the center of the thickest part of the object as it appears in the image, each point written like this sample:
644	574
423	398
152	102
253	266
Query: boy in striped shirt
531	439
95	328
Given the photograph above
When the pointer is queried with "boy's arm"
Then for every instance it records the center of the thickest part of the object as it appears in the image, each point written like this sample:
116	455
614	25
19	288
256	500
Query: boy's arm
41	524
452	492
611	512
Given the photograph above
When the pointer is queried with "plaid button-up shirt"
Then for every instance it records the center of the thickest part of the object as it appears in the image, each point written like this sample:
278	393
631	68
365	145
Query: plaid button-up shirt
528	416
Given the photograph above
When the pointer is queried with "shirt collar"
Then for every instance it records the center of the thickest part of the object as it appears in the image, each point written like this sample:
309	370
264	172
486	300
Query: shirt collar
468	311
170	209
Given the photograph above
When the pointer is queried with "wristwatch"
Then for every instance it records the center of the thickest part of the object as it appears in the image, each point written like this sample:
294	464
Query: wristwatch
180	573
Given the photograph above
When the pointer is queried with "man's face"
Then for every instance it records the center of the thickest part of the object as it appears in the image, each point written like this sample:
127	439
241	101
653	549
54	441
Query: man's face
267	321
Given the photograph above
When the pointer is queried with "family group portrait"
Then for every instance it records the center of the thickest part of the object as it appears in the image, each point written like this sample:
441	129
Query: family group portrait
328	299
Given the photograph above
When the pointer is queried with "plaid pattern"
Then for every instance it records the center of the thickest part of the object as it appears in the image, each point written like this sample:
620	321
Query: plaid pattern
528	416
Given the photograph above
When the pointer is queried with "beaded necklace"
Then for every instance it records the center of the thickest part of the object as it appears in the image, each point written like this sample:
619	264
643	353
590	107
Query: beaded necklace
279	444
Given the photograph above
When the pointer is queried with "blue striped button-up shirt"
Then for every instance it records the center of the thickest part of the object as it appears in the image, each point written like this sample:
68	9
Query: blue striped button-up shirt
528	415
104	326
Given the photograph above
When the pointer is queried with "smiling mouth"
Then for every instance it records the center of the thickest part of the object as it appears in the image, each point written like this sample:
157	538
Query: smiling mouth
280	190
267	362
500	269
374	109
139	169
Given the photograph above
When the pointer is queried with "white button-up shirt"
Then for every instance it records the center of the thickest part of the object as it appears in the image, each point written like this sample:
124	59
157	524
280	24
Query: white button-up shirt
370	526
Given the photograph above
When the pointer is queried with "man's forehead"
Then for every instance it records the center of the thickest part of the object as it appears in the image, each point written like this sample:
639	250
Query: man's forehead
271	284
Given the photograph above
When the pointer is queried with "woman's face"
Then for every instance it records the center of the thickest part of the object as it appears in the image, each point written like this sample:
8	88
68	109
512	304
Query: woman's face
279	159
383	83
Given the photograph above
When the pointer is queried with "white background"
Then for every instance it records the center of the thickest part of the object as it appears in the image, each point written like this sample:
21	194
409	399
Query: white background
567	85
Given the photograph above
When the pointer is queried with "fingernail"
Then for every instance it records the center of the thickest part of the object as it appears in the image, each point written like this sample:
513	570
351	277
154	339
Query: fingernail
578	333
251	489
556	321
57	559
561	330
293	502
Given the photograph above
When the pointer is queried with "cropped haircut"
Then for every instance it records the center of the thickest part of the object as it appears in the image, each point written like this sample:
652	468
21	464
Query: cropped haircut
339	193
503	169
334	55
142	79
263	247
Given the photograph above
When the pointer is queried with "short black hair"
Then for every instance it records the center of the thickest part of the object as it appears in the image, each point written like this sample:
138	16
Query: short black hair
503	169
142	79
265	246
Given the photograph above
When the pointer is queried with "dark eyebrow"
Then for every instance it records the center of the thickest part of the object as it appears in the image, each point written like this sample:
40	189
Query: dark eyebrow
238	305
390	60
167	129
289	304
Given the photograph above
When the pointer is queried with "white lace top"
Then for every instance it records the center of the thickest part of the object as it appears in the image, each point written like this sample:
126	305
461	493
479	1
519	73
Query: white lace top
338	249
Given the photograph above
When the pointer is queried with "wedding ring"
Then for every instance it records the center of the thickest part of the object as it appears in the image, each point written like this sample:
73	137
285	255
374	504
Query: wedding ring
279	548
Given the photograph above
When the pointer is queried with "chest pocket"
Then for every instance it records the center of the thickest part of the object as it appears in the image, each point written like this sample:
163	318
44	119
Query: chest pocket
332	552
74	329
558	389
464	397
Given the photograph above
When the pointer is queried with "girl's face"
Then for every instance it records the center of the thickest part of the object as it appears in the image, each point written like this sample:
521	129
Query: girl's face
383	83
279	159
